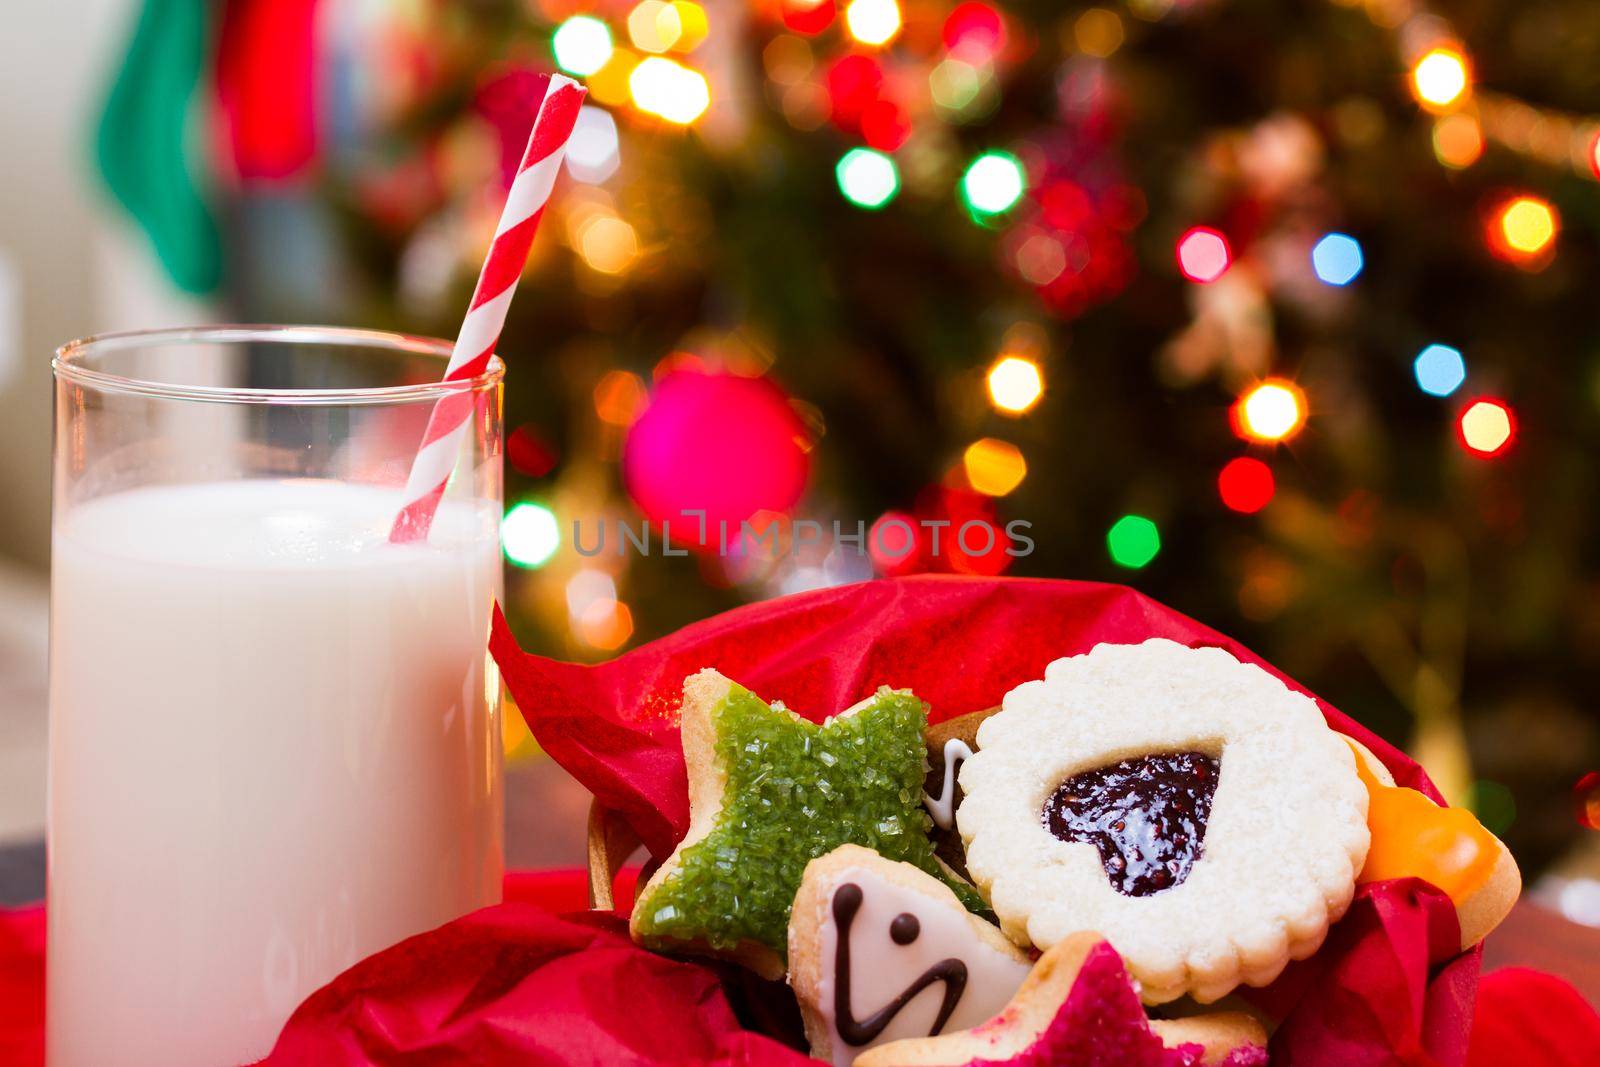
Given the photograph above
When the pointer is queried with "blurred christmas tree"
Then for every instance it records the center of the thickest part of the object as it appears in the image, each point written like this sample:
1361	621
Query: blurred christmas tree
1279	311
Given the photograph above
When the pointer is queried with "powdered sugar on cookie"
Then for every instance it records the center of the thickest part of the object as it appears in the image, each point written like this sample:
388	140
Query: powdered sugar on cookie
1201	816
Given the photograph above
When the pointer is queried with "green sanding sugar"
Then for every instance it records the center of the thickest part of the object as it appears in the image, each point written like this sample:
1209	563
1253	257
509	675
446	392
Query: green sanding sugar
797	790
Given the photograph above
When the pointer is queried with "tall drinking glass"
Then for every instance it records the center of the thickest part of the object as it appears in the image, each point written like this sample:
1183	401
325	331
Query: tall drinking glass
274	736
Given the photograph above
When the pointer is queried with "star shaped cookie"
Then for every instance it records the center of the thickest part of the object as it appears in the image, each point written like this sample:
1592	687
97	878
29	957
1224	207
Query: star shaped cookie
770	791
1079	1008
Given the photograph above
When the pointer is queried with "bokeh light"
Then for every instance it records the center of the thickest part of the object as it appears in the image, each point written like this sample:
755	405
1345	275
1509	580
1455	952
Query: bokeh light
1133	541
607	243
895	544
1586	800
993	183
1487	427
1098	32
1440	370
867	178
873	22
593	151
1203	254
530	534
581	45
1525	226
1440	78
1337	258
994	467
693	25
654	26
669	90
605	624
619	396
1246	485
1015	384
974	28
1273	410
809	17
1457	140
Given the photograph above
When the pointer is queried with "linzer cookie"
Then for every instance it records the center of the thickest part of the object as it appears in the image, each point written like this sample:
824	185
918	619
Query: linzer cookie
1191	809
880	951
1078	1008
768	792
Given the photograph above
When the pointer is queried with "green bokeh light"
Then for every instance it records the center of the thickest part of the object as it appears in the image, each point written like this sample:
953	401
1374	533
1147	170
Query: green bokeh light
993	183
867	178
530	534
1133	541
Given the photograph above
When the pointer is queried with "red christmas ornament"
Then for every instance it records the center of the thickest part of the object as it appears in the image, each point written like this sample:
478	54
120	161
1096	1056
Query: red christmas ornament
720	443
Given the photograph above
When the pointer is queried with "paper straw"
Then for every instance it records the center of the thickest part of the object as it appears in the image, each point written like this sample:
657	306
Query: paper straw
486	315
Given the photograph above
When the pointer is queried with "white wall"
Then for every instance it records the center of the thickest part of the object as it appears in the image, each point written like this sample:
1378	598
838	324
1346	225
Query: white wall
71	265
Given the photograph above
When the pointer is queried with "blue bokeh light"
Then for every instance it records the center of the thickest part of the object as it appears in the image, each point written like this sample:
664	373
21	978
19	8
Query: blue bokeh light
1440	370
1337	258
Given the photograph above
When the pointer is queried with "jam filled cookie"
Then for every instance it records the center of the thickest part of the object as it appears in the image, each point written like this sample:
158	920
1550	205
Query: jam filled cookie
880	951
1190	808
768	792
1078	1008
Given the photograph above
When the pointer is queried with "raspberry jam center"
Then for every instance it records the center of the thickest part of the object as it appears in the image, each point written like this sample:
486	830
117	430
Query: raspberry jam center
1146	816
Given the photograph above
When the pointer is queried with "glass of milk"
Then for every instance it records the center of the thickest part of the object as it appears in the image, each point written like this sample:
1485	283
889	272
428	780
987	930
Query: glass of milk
274	736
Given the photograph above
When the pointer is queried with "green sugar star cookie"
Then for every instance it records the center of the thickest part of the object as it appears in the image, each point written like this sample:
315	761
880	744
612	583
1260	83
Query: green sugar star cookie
770	791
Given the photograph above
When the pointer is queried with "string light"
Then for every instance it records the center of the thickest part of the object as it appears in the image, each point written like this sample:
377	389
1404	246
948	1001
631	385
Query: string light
582	45
1015	384
1337	259
993	183
1487	427
669	90
1440	78
1524	228
1203	254
994	467
1133	541
530	535
593	153
867	178
1246	485
1273	410
873	22
1440	370
809	17
1457	140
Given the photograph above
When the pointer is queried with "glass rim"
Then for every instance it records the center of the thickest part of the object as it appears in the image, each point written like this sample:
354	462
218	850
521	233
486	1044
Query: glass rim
68	366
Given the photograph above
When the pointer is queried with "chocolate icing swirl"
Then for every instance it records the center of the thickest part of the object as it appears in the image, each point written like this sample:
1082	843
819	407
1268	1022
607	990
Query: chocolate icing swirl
952	972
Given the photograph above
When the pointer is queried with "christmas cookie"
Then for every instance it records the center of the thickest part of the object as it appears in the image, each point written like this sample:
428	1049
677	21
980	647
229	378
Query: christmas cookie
770	791
1190	808
1078	1008
1412	837
880	951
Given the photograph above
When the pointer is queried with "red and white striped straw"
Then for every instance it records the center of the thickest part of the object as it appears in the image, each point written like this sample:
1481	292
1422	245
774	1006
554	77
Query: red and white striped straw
486	315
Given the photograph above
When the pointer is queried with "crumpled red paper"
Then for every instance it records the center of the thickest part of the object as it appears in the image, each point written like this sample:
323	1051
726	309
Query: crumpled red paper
518	984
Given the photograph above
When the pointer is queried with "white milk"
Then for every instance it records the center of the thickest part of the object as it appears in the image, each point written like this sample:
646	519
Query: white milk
271	754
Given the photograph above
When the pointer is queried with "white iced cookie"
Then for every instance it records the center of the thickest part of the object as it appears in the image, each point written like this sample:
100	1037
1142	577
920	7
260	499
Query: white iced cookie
880	951
1190	808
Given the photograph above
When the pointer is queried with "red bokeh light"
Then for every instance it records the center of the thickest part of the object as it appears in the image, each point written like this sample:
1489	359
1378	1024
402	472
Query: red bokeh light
1586	798
1246	485
884	126
854	82
808	16
1486	427
975	26
529	453
1203	254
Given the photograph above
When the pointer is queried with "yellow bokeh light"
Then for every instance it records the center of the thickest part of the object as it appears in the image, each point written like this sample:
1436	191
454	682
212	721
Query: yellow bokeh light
607	244
1015	384
1098	32
618	397
1440	78
994	467
669	90
692	25
873	22
1528	225
609	85
1457	140
1486	427
1274	410
654	26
